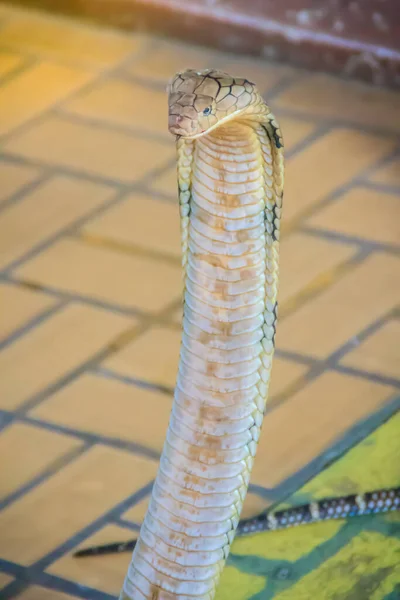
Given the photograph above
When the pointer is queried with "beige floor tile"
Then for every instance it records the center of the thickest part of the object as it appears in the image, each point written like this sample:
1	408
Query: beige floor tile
32	450
166	183
379	353
110	408
166	58
97	150
293	130
53	349
140	221
106	573
66	39
38	593
304	260
44	212
363	213
254	505
301	428
19	305
13	178
176	317
95	482
324	96
389	174
124	103
328	163
153	357
45	84
4	579
9	61
285	373
344	309
138	511
106	274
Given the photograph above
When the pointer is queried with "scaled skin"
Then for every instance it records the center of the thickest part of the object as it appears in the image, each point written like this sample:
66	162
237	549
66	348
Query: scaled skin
230	181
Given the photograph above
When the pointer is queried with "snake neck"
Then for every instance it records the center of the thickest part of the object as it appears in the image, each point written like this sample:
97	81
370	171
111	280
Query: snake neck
224	370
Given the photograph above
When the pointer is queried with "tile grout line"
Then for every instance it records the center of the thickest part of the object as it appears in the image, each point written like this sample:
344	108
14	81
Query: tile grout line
86	437
31	324
96	78
26	189
26	577
331	362
343	238
336	122
354	435
48	472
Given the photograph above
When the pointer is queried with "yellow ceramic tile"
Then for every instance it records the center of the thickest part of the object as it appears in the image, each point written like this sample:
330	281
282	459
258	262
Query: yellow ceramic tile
389	174
66	39
105	573
13	177
44	84
153	357
92	485
141	221
367	564
19	305
97	150
124	103
44	212
371	464
304	260
238	585
324	96
285	373
326	164
32	450
363	213
38	593
9	61
286	544
138	511
301	428
379	353
342	310
53	349
105	274
110	408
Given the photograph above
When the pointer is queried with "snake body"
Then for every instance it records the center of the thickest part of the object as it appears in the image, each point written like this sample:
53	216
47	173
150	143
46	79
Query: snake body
230	178
353	505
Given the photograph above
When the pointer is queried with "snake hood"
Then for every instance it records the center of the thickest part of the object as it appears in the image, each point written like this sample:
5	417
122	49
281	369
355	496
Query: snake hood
200	101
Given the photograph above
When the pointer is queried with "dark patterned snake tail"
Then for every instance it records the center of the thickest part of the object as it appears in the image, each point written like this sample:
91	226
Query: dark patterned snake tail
354	505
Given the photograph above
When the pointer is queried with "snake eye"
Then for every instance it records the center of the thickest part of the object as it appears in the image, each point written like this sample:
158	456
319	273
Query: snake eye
207	111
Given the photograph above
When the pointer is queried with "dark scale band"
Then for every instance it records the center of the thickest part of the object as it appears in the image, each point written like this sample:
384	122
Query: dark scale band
331	508
379	501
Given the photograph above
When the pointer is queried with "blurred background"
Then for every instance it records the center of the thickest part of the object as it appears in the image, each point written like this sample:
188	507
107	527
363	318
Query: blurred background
90	284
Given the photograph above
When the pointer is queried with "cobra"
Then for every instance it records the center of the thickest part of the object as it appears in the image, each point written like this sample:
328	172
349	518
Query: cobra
230	179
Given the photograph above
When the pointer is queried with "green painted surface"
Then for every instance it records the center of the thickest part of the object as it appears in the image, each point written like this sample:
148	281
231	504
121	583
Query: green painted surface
353	559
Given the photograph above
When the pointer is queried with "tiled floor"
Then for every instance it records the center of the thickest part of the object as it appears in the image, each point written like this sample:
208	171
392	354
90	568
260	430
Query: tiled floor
90	293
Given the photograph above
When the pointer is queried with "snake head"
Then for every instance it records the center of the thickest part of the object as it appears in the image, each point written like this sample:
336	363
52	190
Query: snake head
199	101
